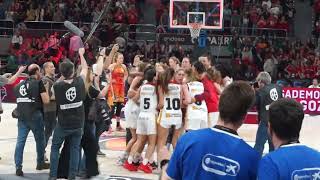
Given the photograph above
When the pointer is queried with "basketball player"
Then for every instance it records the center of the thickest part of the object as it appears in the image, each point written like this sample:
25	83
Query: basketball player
170	100
146	124
209	95
197	112
131	111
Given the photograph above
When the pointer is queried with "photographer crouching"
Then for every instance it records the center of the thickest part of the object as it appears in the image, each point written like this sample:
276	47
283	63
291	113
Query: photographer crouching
266	93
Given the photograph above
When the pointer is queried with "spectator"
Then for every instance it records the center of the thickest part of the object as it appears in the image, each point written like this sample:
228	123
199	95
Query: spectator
132	14
290	160
245	24
269	65
164	19
227	12
17	40
254	17
315	83
283	24
119	16
2	11
267	3
95	14
58	16
236	5
32	13
246	55
262	23
235	19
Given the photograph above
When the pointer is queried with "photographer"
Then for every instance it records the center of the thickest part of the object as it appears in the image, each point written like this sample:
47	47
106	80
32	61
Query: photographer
290	160
265	95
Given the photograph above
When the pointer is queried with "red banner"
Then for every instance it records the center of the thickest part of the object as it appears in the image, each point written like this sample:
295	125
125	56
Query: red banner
308	97
7	93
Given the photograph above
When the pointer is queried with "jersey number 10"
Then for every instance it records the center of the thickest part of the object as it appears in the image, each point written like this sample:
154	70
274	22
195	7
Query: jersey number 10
173	103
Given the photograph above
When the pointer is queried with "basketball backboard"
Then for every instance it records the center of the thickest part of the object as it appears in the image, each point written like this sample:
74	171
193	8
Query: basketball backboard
207	12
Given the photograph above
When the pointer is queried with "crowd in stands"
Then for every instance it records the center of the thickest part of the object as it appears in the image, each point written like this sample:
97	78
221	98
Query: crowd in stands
248	15
294	63
72	10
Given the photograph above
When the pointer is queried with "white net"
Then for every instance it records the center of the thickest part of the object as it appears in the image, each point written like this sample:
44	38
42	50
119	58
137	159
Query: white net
195	29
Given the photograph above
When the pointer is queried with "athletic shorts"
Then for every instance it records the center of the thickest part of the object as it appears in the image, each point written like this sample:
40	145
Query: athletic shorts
166	123
146	124
131	112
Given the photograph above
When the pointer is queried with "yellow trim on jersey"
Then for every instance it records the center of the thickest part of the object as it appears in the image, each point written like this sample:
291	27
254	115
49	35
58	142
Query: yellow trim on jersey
159	117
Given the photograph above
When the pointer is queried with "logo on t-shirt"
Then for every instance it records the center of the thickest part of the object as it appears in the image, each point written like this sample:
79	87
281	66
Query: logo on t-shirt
220	165
274	94
23	90
71	94
307	173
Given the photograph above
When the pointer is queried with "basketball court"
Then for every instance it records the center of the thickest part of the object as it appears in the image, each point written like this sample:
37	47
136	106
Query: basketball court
200	17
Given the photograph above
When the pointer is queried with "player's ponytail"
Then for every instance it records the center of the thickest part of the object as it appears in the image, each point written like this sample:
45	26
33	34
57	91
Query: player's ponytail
165	78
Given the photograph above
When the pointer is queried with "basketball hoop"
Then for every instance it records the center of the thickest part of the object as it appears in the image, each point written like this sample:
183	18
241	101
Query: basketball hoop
195	29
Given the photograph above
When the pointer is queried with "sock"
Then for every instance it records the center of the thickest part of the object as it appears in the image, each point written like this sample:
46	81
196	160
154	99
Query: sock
125	155
136	158
150	161
118	123
130	159
145	161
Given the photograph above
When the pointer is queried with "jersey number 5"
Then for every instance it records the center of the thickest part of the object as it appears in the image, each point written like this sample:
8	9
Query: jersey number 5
175	104
146	102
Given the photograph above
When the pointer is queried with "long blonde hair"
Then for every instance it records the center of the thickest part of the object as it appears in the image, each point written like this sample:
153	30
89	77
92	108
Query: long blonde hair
214	75
115	57
190	77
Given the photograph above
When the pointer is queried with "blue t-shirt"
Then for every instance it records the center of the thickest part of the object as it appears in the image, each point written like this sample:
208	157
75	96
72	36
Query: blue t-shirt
213	154
290	162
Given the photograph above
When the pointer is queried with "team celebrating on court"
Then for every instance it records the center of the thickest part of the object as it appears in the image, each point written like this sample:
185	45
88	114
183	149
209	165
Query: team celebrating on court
166	100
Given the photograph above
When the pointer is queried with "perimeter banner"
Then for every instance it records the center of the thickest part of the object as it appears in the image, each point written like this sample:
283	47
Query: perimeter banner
183	39
308	97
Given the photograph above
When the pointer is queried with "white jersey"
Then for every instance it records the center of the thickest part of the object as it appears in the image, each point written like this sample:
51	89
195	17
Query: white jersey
197	112
171	112
148	98
146	124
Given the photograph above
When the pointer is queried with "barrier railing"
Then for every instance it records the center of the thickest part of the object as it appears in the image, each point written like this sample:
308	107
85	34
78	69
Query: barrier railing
141	32
6	27
136	32
239	30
